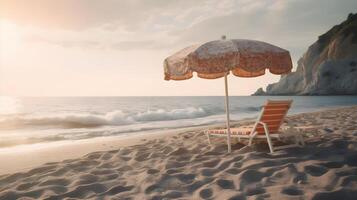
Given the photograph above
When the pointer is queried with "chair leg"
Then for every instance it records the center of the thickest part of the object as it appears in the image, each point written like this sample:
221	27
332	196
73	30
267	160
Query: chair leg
270	144
251	138
208	138
268	138
302	140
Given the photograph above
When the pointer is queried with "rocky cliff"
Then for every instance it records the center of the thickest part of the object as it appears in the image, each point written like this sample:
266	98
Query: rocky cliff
329	67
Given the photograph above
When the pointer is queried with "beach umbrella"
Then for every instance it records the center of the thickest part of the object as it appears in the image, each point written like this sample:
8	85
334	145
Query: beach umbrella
219	58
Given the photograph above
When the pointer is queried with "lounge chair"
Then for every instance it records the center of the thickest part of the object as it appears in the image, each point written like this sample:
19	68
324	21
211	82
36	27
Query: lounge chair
267	126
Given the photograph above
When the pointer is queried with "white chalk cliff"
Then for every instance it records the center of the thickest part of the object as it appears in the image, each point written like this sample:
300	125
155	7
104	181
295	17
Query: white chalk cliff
329	67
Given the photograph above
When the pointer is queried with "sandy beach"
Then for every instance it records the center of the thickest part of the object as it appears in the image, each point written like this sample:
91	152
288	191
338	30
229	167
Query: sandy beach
184	166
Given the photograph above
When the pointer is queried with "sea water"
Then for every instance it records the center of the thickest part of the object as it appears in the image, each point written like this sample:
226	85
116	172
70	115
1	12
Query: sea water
29	120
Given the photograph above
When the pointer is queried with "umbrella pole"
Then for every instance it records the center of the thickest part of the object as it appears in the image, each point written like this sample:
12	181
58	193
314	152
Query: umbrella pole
227	113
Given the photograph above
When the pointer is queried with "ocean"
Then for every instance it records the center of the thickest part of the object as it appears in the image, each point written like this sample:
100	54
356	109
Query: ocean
30	120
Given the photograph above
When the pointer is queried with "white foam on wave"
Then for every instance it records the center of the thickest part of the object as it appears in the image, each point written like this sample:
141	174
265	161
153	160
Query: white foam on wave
163	115
113	118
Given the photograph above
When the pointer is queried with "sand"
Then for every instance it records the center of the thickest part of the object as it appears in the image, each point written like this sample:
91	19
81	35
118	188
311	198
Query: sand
184	166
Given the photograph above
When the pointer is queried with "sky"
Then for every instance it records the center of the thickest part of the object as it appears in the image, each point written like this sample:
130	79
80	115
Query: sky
117	47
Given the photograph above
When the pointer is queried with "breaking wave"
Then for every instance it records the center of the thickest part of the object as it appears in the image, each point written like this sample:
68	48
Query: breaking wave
114	118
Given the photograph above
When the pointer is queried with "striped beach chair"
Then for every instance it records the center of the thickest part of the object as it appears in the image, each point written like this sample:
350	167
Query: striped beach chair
267	126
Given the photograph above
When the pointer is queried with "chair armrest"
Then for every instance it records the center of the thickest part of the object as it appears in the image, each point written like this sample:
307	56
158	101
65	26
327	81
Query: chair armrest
265	127
262	123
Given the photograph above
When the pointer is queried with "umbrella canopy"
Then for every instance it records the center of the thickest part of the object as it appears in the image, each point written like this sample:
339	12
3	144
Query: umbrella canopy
216	59
245	58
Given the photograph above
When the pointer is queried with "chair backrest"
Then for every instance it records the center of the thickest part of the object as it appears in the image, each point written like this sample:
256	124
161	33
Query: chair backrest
273	114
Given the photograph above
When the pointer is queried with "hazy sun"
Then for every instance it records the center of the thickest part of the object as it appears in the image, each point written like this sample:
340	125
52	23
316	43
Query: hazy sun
10	37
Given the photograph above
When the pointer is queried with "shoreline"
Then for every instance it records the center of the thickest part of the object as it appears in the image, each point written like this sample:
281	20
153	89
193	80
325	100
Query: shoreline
24	157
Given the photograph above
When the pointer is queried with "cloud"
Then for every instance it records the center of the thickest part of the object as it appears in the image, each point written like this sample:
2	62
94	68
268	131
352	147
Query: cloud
140	45
86	44
100	43
134	15
129	14
293	24
84	14
160	24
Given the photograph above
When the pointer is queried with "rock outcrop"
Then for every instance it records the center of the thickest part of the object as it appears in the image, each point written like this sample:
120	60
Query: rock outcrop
329	67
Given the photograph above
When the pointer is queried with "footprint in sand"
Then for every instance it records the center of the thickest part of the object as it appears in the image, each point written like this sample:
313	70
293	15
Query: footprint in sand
225	184
41	170
167	150
26	186
349	181
152	188
9	195
124	151
152	171
206	193
172	171
209	172
315	170
59	172
107	165
233	170
250	176
174	164
198	184
110	177
179	151
253	190
292	190
184	158
107	156
86	179
238	197
332	164
125	158
102	171
173	195
56	181
345	194
83	191
141	156
117	189
186	178
94	155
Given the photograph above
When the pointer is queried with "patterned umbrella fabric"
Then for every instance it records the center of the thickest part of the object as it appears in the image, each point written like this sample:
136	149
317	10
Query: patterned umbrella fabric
244	58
